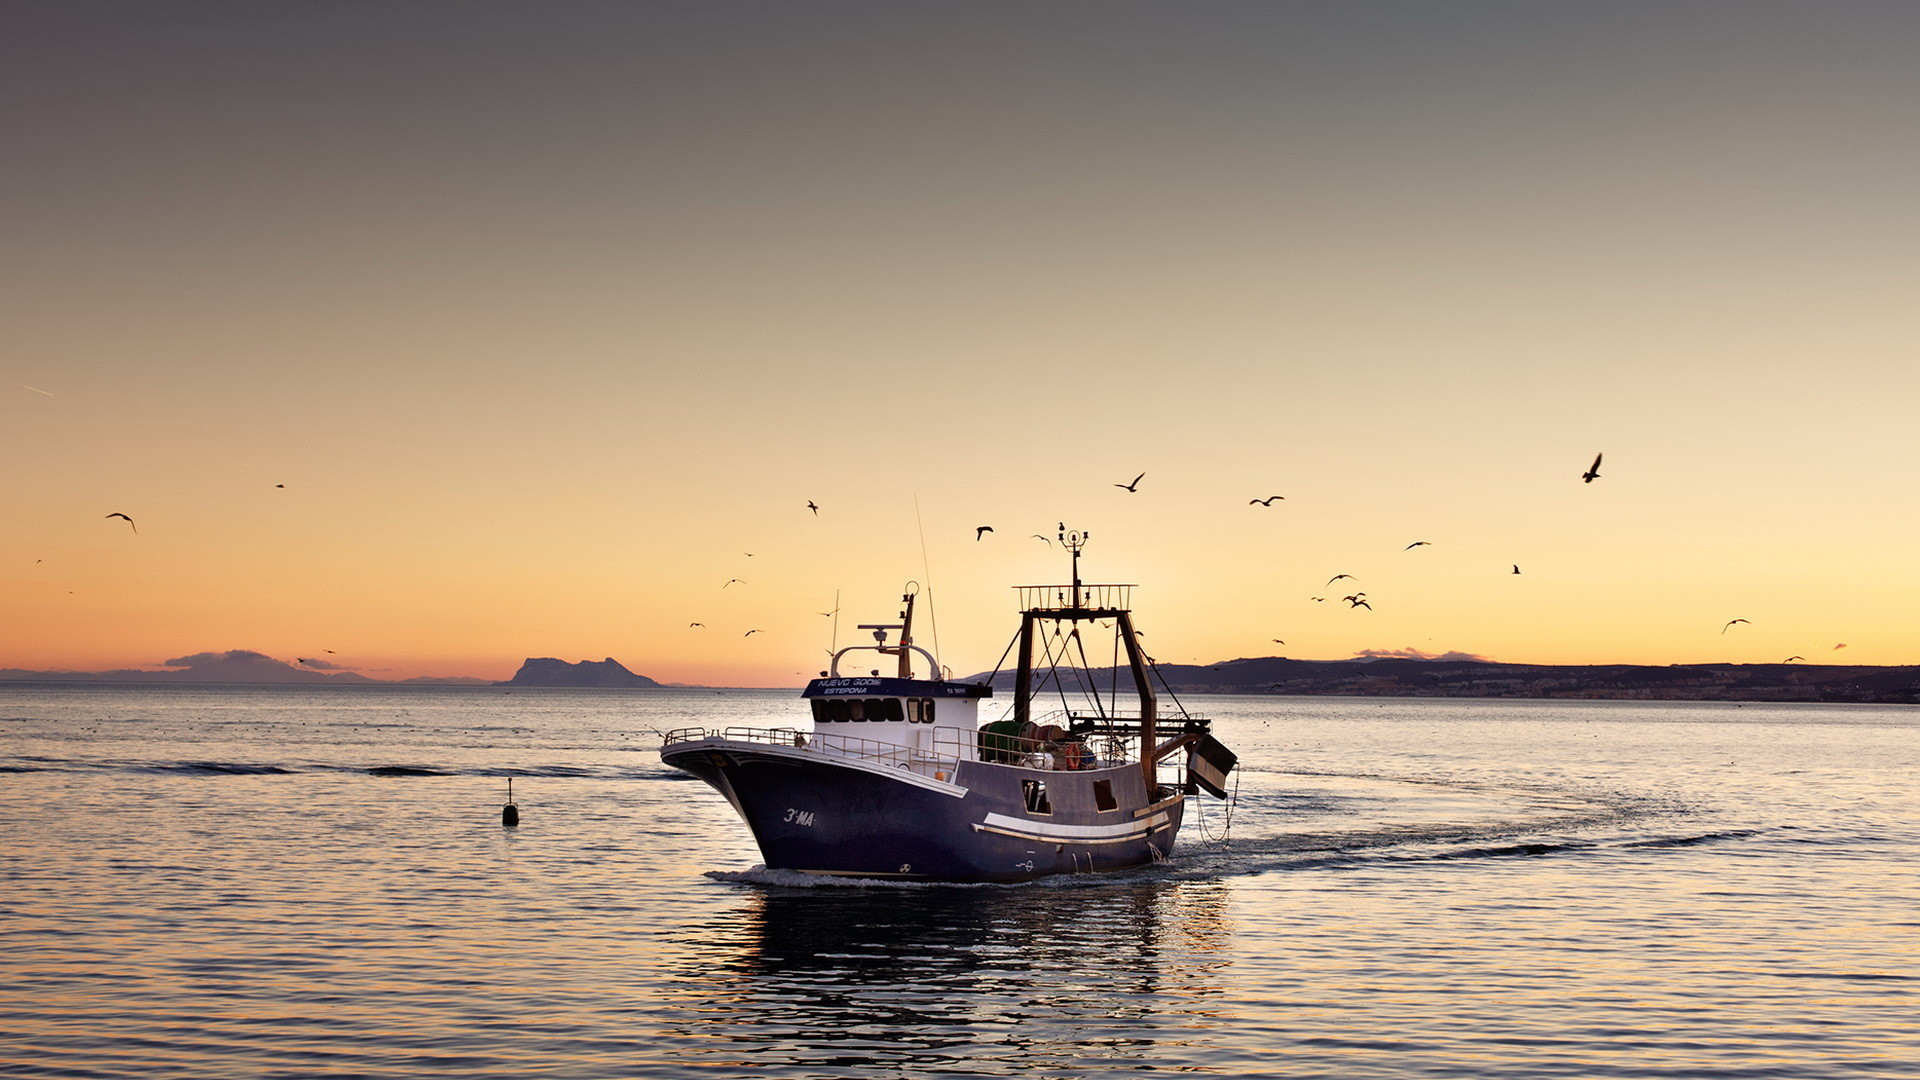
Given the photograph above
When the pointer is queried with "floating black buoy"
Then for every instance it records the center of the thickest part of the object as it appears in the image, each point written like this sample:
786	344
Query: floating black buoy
509	814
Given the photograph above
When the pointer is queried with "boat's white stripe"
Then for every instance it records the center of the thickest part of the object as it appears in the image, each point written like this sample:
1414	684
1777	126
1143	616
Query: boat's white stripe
1035	837
1119	830
891	772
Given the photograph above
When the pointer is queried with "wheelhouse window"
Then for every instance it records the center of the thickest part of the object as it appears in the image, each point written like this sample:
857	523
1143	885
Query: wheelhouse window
1103	796
1036	793
876	710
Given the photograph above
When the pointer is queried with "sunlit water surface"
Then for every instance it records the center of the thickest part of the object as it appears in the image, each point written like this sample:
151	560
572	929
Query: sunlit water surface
211	883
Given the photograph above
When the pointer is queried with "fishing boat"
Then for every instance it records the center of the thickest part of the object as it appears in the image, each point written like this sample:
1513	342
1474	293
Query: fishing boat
896	777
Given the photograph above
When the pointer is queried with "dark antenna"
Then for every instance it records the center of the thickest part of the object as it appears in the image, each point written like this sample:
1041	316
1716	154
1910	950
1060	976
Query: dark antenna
1073	542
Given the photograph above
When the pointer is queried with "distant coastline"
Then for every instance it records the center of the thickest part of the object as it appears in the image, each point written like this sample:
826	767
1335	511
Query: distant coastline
244	667
1393	677
1275	675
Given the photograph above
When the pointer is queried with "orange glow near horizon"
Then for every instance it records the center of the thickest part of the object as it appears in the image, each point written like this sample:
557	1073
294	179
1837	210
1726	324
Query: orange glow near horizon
542	340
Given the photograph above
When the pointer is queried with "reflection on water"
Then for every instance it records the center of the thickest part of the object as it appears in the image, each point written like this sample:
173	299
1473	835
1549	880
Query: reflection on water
203	884
940	979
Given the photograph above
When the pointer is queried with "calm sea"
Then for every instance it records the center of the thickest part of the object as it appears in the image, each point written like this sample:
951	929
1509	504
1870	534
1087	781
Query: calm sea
212	883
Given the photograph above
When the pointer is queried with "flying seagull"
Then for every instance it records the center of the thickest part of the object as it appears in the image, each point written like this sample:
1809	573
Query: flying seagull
1355	596
733	581
815	509
1791	659
1133	486
127	519
750	633
1277	641
1318	599
1268	501
1842	645
1418	543
701	625
979	531
1730	623
1593	470
1353	601
304	660
1337	577
1043	539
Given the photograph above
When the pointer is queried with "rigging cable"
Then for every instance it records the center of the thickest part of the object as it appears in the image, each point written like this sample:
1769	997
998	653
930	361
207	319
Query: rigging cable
1092	687
926	571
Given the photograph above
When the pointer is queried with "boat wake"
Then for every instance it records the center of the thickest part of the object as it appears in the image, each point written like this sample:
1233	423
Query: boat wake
1309	821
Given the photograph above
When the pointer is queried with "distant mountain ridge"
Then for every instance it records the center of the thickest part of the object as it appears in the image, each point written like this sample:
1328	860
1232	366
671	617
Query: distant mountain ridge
1396	677
236	666
548	671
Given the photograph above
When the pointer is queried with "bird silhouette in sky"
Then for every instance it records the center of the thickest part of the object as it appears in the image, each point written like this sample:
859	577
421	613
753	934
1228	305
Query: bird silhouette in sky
1842	645
701	625
1318	599
1133	486
127	519
279	485
750	633
304	660
748	554
1730	623
1791	659
1277	641
1337	577
1268	501
1354	602
980	531
1418	543
326	650
1355	596
815	509
733	581
1593	470
1043	539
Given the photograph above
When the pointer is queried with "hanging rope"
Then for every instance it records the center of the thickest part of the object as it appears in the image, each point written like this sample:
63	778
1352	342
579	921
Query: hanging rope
1226	824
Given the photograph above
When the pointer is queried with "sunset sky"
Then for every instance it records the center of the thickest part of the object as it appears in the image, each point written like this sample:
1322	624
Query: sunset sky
547	314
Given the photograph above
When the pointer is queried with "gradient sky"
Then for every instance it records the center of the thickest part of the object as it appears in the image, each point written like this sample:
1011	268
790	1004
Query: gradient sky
547	313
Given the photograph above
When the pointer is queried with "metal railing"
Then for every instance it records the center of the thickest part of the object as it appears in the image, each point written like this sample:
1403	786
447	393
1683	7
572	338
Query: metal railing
1064	598
940	762
950	747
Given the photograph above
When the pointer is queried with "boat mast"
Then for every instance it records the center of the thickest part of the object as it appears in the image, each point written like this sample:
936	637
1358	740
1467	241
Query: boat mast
1080	605
904	650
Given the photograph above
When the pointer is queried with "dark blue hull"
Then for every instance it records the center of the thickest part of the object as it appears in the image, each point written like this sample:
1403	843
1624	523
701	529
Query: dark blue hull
814	813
